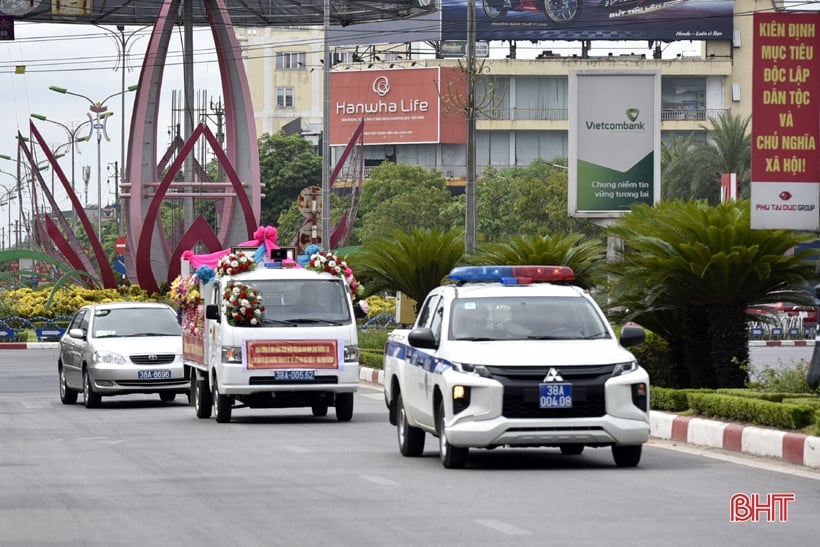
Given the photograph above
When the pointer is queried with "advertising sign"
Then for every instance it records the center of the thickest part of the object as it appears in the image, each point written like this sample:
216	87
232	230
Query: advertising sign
786	129
614	141
590	20
401	106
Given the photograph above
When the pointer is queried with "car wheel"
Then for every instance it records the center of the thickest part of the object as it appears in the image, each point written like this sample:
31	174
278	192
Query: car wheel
411	439
92	398
562	11
494	8
319	409
67	395
344	407
202	398
627	456
572	449
452	457
222	405
167	396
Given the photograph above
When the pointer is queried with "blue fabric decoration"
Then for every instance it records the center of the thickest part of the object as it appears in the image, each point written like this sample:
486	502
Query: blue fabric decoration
310	250
261	254
205	273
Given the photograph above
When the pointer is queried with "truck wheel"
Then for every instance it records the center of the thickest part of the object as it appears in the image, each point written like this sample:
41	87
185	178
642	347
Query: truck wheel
92	398
572	449
67	395
222	405
344	407
627	456
202	398
411	439
319	409
452	457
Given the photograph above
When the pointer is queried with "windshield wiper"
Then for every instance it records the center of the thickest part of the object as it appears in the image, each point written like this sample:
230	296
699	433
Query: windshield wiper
477	338
311	320
152	334
602	334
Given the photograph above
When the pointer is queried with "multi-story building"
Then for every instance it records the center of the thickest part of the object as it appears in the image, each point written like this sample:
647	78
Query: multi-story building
527	116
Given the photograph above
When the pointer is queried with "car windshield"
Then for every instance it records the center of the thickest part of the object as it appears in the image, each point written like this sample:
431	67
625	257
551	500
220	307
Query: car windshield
531	318
304	302
125	322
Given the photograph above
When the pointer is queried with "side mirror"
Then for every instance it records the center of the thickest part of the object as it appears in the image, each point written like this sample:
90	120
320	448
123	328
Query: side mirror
422	337
632	335
212	312
817	291
76	333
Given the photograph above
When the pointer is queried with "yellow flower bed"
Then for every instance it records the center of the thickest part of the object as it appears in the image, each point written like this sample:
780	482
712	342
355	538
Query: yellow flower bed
26	302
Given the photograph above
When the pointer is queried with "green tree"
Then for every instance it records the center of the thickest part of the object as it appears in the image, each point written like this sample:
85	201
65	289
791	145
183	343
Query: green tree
414	263
400	196
689	272
287	165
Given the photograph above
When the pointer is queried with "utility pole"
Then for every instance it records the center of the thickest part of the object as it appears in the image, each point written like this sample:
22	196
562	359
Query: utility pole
470	183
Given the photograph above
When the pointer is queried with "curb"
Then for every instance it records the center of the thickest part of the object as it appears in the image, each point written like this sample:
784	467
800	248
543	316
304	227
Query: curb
794	448
761	343
29	345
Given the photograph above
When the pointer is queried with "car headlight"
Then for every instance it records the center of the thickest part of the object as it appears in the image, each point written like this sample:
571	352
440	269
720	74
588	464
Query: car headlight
351	354
475	370
624	368
108	357
231	354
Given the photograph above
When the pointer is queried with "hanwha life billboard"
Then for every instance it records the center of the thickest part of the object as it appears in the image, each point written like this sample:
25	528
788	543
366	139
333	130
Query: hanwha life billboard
401	106
786	124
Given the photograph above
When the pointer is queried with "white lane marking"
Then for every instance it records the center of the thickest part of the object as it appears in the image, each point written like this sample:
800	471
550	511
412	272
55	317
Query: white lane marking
503	527
297	449
381	481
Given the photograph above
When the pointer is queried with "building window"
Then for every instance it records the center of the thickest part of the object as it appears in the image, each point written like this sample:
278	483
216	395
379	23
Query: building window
284	97
290	60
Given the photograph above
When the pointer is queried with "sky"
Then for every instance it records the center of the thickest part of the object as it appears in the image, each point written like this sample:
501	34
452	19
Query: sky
86	60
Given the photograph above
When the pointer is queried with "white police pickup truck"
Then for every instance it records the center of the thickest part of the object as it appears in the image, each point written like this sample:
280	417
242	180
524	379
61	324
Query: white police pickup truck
515	356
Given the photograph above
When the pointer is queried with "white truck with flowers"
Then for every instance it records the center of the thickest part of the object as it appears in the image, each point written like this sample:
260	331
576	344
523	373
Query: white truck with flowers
270	335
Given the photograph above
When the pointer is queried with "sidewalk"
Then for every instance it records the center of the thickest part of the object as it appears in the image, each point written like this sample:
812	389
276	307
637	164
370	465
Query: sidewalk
794	448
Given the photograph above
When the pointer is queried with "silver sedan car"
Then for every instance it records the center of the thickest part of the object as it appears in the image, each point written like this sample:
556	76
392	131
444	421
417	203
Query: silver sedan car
122	348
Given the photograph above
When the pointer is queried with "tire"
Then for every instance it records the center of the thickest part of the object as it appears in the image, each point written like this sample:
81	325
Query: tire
494	9
562	11
92	398
452	457
67	395
572	449
411	439
627	456
167	396
222	405
319	409
344	407
202	398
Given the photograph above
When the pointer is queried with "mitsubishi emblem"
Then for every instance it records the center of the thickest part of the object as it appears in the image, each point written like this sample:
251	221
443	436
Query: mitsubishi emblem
553	376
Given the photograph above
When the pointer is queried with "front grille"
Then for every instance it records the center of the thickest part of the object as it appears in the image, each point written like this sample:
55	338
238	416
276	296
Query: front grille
521	390
270	381
151	359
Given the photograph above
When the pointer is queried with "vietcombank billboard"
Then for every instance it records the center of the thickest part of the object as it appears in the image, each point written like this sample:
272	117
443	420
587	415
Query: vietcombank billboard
614	141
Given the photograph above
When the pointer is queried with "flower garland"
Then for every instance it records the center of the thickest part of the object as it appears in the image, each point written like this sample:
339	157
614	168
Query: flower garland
243	304
334	265
234	263
185	293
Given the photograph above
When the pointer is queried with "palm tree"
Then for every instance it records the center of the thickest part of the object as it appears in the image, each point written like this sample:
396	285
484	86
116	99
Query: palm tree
414	263
690	271
585	257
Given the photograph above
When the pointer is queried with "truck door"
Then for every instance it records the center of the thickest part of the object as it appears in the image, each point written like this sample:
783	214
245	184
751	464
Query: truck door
419	398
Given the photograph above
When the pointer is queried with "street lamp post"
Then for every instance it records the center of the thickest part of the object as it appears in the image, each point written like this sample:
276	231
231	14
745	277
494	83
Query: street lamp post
98	124
72	140
8	195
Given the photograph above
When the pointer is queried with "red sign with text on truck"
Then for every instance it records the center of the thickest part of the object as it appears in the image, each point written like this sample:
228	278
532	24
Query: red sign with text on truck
272	337
515	356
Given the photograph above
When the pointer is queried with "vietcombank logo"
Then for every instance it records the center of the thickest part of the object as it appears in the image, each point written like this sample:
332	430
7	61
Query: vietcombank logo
630	124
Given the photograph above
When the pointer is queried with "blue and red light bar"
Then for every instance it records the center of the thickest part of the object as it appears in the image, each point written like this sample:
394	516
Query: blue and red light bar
512	275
